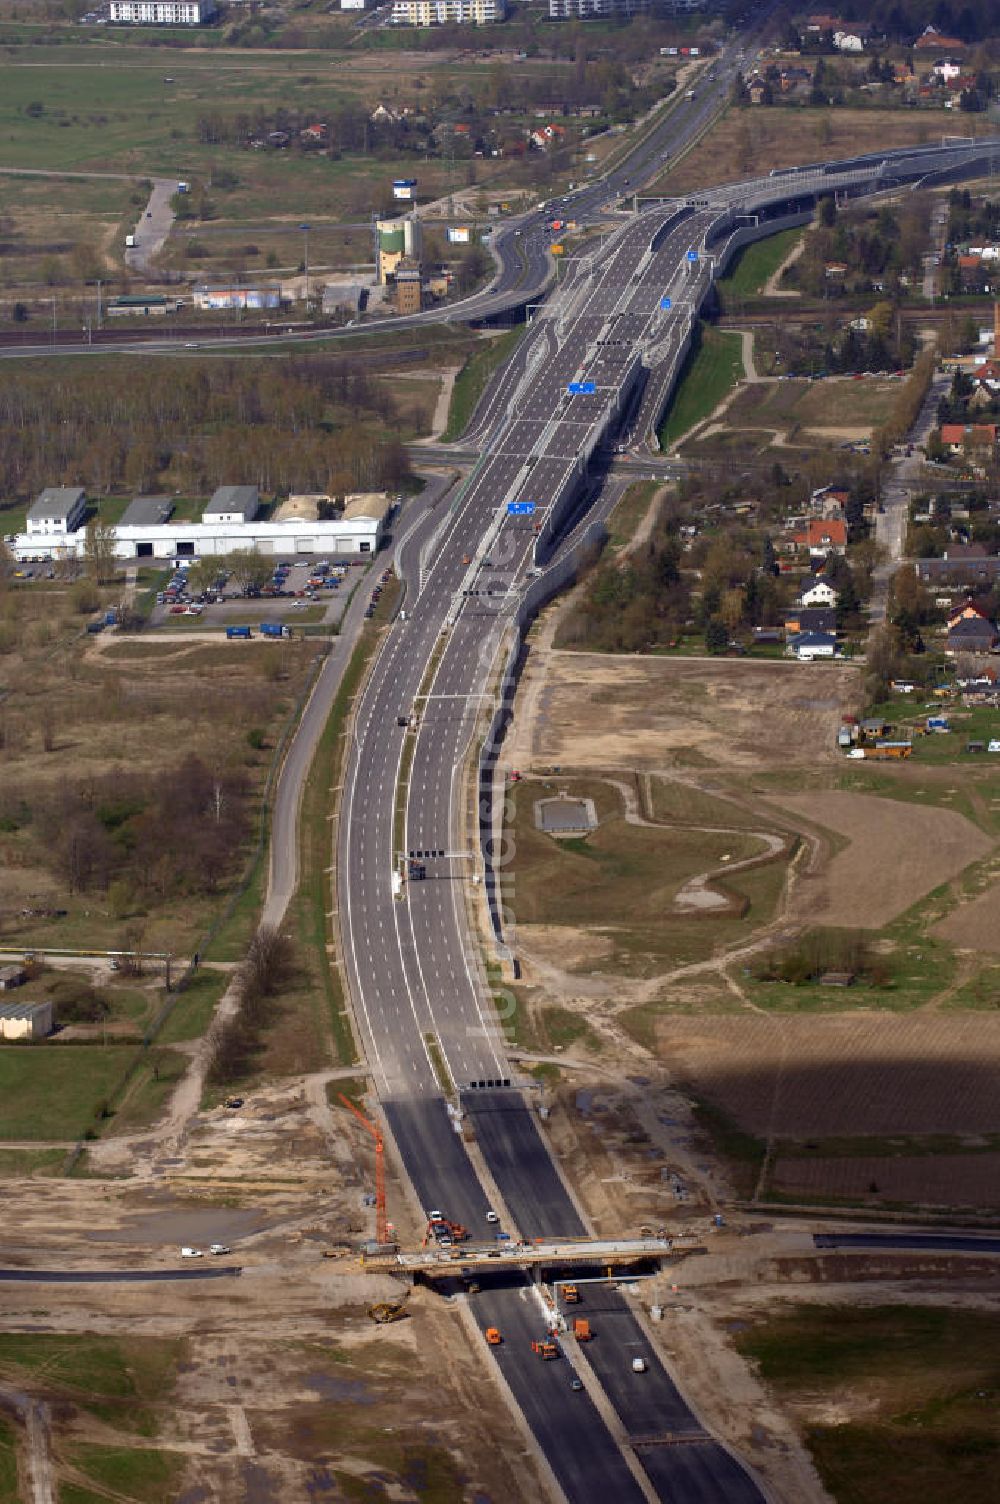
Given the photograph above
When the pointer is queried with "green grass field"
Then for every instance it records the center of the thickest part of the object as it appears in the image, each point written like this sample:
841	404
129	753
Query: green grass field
755	263
470	383
148	1475
922	1386
50	1091
710	373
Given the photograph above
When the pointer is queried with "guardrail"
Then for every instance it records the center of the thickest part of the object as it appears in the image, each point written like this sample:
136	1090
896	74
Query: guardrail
539	592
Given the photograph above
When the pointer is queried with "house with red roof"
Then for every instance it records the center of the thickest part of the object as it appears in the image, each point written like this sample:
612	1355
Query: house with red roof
822	536
932	40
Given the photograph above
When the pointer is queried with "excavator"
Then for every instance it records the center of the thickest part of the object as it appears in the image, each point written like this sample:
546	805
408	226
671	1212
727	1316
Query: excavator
385	1311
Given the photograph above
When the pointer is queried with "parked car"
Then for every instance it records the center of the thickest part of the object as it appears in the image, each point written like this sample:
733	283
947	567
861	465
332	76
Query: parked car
192	1253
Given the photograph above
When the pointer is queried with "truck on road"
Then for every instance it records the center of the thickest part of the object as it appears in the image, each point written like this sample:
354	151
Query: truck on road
241	632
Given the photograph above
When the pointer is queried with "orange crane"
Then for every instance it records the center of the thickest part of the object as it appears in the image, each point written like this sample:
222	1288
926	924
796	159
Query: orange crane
381	1223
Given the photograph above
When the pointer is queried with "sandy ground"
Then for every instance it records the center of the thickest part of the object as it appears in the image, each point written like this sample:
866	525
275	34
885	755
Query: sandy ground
974	925
898	851
824	1075
596	710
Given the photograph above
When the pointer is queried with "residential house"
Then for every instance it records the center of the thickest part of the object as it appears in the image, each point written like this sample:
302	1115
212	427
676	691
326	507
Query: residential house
955	436
808	646
822	536
759	91
967	574
932	40
810	619
829	501
987	377
852	37
967	611
12	976
972	634
819	593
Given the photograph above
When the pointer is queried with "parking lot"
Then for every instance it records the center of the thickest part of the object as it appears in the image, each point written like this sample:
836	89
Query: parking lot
298	593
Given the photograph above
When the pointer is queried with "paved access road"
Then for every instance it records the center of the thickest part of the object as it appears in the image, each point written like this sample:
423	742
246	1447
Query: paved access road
115	1276
910	1242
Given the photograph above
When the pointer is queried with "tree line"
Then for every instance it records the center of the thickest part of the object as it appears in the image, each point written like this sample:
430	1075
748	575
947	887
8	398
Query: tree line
141	837
315	424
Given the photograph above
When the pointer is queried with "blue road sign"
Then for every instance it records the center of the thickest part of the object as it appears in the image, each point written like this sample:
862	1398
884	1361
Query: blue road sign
582	388
520	508
692	255
665	303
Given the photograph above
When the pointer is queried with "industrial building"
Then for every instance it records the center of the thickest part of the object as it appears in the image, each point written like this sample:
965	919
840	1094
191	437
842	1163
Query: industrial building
409	292
232	504
56	511
447	12
229	522
162	12
215	296
25	1021
396	239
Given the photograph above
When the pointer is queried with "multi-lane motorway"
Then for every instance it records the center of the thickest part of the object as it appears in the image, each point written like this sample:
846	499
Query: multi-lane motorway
421	998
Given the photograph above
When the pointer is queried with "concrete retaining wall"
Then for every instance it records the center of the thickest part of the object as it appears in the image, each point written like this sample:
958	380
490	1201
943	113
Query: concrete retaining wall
538	594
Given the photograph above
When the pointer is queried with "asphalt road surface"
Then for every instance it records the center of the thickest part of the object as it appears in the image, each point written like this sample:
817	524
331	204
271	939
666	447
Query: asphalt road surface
115	1276
421	998
909	1242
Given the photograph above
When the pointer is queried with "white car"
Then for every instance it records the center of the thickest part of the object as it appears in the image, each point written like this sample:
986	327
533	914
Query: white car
492	1217
220	1248
638	1365
192	1253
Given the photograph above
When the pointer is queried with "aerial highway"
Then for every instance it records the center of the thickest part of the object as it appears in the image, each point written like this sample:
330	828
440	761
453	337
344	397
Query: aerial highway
406	861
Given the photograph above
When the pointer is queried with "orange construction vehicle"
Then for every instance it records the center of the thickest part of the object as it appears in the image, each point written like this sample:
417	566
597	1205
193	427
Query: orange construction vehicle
545	1349
381	1220
493	1336
581	1329
570	1295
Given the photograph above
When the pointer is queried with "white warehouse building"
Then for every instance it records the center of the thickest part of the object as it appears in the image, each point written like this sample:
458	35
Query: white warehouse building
229	522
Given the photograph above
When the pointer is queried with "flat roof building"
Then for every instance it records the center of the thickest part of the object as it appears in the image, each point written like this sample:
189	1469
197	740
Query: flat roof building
147	511
447	12
57	509
161	12
233	504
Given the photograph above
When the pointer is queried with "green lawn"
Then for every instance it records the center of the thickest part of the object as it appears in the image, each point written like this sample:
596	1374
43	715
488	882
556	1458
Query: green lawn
471	380
120	1381
921	1383
629	513
147	1476
51	1091
710	372
755	263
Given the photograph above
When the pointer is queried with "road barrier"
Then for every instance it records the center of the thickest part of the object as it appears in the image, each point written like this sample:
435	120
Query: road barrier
555	579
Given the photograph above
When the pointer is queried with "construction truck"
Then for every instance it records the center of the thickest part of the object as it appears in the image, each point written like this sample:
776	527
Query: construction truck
581	1329
493	1336
570	1295
545	1349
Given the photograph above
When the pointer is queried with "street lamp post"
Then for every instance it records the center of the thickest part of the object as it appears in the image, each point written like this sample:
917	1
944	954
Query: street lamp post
305	261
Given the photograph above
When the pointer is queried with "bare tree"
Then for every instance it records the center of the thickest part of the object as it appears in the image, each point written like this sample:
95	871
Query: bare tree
99	551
